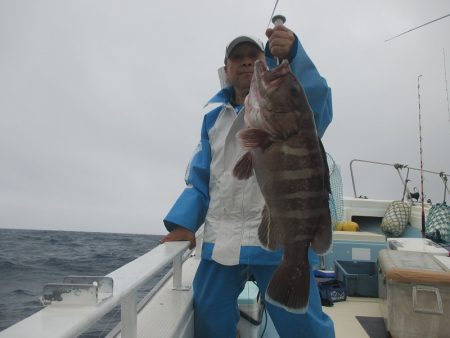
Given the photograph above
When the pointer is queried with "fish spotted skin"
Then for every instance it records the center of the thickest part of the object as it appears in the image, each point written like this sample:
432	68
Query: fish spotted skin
289	161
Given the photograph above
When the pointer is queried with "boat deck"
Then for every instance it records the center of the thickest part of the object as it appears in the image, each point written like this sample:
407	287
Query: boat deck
158	316
345	317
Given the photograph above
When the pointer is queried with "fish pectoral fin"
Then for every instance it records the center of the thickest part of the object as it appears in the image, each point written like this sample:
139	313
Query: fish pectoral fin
321	242
326	174
253	138
244	167
268	236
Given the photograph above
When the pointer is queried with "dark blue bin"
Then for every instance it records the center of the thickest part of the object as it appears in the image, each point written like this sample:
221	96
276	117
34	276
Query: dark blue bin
360	278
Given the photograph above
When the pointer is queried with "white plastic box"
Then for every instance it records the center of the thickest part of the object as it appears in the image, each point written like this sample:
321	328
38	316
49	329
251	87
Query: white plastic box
414	292
424	245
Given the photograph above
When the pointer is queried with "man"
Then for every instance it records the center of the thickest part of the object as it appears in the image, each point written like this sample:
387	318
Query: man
231	209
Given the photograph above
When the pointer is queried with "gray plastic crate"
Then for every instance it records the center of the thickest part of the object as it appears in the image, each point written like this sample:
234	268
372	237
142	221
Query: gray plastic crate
360	278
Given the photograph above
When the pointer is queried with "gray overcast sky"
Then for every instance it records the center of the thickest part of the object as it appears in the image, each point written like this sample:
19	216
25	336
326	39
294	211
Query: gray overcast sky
100	101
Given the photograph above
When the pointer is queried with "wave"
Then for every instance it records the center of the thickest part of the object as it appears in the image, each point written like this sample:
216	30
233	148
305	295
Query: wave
23	292
6	266
29	259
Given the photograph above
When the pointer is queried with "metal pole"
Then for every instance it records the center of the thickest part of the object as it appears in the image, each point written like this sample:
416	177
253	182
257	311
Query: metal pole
177	272
444	179
396	166
406	184
129	316
353	178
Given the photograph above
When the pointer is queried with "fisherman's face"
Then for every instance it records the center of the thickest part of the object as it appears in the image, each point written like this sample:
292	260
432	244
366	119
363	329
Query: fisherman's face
240	63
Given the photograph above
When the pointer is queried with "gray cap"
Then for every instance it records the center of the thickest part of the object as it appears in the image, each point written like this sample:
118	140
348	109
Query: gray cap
240	39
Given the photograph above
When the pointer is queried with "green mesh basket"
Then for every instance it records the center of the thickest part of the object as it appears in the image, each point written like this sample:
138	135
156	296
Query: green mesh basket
396	218
437	225
336	200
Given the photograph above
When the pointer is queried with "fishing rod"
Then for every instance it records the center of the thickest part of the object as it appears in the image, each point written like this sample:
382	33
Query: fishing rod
421	158
413	29
277	20
273	12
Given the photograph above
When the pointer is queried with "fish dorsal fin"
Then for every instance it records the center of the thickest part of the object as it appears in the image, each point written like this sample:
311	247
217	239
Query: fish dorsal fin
244	167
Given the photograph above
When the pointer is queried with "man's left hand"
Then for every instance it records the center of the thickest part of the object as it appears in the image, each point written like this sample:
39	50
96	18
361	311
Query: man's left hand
281	40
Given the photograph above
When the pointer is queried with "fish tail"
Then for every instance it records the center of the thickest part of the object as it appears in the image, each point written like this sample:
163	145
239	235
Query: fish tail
289	287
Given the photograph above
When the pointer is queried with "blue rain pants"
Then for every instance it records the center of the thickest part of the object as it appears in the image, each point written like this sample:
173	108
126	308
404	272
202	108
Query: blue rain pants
216	290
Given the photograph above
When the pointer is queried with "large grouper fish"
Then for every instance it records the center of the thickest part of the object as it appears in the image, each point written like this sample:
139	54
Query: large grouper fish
289	161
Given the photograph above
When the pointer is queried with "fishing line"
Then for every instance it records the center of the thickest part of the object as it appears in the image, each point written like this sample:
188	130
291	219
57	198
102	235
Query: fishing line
413	29
446	84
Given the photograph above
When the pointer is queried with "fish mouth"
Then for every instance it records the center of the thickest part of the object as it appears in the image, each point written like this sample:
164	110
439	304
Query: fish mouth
271	79
277	73
260	68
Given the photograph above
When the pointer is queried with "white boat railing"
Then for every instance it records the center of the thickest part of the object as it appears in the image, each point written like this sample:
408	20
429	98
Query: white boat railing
60	320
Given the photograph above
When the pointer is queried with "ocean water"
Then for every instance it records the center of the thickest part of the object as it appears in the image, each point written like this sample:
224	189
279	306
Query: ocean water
29	259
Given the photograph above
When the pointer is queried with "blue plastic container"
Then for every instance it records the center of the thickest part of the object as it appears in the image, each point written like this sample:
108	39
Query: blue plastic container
360	277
